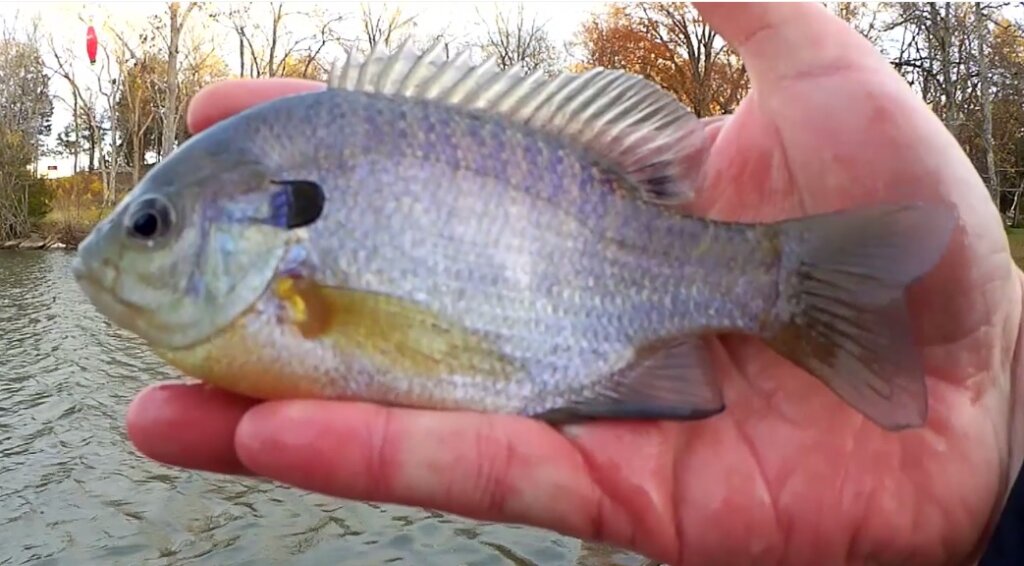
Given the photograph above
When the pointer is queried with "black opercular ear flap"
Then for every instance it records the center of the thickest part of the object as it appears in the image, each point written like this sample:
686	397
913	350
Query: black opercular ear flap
298	203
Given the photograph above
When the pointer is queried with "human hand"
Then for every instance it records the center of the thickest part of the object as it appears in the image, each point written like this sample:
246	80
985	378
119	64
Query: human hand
788	473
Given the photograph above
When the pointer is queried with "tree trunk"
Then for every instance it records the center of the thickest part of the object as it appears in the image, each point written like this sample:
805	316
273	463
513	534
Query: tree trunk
114	153
93	142
136	157
982	37
952	113
241	55
78	139
170	110
273	39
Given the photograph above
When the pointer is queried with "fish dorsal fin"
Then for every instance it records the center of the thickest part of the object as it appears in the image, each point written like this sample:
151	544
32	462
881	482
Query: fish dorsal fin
628	122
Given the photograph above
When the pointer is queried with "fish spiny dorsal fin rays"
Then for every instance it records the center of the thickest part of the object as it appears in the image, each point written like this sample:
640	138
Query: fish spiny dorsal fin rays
626	121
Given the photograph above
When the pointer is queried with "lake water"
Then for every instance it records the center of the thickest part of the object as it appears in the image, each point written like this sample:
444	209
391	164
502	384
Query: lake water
74	491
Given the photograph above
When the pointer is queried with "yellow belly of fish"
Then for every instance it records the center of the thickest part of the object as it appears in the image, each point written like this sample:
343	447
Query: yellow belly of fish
256	358
394	350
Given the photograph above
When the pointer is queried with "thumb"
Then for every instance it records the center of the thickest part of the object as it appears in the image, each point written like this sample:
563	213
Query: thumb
782	41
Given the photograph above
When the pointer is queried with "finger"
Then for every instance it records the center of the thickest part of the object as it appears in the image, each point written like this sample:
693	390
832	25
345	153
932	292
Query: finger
188	425
485	467
223	99
781	41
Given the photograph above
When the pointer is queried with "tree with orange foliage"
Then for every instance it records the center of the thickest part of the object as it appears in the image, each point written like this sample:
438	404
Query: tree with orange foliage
669	44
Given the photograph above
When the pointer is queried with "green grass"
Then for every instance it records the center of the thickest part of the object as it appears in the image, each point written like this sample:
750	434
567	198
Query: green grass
1016	238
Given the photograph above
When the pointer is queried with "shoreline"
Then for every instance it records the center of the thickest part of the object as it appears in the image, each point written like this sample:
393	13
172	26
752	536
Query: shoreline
36	242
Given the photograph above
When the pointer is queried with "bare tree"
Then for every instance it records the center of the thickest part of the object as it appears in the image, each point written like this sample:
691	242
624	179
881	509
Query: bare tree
864	18
512	40
386	27
83	107
137	104
936	54
177	19
326	35
268	46
450	43
981	23
108	87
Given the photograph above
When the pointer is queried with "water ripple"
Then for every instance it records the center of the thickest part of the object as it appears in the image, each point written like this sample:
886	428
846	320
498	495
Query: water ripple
72	490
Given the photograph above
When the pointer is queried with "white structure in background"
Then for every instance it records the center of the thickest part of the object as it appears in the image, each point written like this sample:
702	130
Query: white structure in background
54	168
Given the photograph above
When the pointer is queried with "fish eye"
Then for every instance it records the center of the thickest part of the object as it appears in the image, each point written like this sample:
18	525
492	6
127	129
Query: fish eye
151	218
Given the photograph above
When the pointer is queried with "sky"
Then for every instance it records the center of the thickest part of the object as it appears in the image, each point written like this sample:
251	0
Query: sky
68	21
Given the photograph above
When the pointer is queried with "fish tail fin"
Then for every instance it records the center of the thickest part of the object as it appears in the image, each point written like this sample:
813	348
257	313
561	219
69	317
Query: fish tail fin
842	315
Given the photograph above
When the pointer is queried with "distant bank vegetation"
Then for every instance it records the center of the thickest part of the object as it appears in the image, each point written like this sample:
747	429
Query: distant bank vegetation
60	211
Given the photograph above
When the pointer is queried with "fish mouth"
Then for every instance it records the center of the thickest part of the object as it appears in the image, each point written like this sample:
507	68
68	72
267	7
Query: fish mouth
96	288
89	283
98	281
100	295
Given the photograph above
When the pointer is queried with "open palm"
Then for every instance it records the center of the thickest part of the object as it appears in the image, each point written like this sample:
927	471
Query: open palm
788	473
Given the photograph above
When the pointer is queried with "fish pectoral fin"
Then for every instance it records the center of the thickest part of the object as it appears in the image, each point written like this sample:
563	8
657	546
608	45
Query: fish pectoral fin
390	332
669	380
626	121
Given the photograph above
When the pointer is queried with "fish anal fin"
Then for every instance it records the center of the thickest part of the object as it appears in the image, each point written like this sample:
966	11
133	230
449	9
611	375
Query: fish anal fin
668	380
391	332
625	121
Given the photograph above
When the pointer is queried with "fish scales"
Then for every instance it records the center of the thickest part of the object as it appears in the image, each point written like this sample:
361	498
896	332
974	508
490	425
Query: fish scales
543	256
503	243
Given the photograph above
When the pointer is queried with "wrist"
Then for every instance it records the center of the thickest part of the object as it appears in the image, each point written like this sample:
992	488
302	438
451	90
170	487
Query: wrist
1001	542
1016	433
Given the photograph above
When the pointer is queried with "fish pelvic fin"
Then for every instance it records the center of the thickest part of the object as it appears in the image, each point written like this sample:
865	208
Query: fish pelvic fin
625	121
842	314
667	380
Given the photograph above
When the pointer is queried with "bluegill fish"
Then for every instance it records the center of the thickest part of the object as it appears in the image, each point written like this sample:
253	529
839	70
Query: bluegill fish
430	233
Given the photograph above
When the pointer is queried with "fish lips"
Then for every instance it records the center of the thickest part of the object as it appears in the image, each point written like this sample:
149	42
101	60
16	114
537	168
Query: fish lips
96	284
97	290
